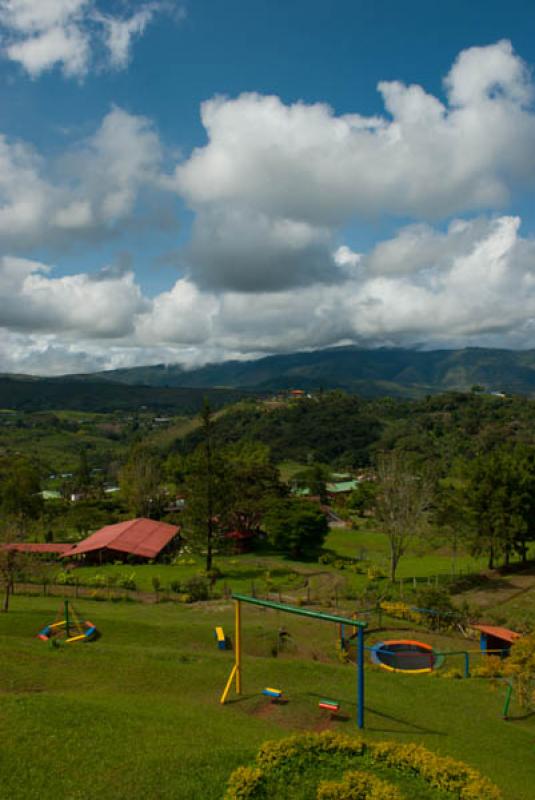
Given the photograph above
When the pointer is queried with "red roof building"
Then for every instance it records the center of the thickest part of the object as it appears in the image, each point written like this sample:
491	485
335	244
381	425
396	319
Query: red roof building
495	640
504	634
37	547
143	538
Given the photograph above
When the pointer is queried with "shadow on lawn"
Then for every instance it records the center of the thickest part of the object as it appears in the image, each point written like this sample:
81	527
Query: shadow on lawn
348	714
410	727
521	717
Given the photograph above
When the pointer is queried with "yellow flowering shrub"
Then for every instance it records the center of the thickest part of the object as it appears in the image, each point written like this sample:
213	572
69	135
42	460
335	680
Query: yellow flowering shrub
246	783
489	667
442	772
520	667
400	610
295	754
358	786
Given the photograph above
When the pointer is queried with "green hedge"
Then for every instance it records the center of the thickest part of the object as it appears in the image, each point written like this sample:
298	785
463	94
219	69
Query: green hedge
295	754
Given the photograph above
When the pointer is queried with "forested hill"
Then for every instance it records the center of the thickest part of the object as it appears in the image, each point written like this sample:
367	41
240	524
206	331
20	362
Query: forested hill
40	394
345	430
394	372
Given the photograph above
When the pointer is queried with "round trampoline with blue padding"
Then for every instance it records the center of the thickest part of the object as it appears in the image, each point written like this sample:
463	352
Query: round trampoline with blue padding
406	655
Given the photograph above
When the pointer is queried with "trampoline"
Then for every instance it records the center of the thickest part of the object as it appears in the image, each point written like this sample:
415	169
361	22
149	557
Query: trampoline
406	655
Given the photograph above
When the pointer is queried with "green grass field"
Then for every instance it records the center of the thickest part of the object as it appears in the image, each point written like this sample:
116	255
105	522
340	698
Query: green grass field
136	713
264	572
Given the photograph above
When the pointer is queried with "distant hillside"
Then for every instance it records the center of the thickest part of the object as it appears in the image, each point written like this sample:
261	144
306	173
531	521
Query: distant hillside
384	371
40	394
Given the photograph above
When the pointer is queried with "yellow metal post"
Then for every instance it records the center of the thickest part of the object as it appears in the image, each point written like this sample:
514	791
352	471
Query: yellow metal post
229	684
238	646
236	669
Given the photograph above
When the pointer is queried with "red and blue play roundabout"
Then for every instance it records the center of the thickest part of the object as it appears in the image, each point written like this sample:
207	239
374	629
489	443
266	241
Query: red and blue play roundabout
406	655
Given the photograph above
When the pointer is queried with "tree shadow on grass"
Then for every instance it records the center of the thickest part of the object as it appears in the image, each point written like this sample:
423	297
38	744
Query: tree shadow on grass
521	717
410	727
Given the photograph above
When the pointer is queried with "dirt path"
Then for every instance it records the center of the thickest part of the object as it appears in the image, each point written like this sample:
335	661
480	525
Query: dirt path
501	589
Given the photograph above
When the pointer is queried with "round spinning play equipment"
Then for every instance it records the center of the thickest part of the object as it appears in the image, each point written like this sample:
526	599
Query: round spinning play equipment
68	627
406	655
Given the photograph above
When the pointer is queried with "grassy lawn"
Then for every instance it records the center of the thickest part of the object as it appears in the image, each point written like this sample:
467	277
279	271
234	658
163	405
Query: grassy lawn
136	713
264	572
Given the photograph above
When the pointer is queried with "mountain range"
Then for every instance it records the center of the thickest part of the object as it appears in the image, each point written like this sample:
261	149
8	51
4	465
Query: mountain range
383	371
394	372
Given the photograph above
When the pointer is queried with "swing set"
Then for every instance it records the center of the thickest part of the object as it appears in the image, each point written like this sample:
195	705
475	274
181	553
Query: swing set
236	672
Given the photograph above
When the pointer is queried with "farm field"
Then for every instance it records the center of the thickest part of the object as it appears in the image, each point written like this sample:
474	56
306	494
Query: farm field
262	572
136	713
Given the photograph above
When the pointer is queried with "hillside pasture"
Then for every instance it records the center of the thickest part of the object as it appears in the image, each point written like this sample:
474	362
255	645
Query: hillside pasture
136	714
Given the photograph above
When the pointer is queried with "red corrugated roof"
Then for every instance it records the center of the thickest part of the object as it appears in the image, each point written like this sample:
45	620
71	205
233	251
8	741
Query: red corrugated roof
139	537
37	547
499	633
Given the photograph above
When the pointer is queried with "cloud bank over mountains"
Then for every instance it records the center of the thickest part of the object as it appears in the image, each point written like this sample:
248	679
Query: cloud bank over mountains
272	191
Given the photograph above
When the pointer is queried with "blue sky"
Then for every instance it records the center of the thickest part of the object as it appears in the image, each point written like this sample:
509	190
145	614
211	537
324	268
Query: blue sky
196	181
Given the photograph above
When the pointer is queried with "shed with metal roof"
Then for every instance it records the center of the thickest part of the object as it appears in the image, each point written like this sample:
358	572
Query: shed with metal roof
494	639
140	538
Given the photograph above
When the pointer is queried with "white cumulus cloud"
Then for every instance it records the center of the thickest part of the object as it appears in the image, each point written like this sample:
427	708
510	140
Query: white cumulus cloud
270	170
42	34
475	285
90	191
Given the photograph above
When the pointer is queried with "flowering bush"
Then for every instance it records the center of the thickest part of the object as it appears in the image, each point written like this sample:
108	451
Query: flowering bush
400	610
520	667
293	756
358	786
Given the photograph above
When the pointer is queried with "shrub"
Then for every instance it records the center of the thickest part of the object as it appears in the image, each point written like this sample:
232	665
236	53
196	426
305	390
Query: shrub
213	574
97	580
358	786
175	586
127	581
289	757
437	599
521	668
327	558
65	579
375	573
454	672
246	783
197	587
400	610
490	667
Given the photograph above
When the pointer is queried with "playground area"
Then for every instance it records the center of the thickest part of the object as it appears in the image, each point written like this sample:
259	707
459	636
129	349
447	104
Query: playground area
158	670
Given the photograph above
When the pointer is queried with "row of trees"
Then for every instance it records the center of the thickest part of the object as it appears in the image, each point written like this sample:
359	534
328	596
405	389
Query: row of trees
238	488
485	505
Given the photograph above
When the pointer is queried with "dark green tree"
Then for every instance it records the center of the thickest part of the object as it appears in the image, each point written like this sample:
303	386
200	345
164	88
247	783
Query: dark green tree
296	527
82	476
11	560
451	516
140	481
362	499
20	498
208	493
499	495
253	483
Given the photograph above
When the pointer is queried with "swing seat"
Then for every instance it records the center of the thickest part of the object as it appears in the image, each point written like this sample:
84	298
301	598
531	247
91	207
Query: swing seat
329	705
274	694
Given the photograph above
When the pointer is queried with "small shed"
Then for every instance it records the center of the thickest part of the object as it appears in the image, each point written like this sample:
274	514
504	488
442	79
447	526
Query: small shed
495	640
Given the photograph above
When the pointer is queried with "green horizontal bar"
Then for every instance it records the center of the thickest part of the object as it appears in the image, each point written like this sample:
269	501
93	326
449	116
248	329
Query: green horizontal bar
301	611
